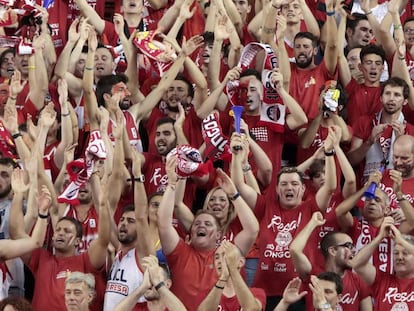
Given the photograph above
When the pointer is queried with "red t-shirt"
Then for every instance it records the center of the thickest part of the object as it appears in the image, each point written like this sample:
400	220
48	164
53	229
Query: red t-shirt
50	273
192	272
363	100
232	303
306	85
278	227
407	188
392	293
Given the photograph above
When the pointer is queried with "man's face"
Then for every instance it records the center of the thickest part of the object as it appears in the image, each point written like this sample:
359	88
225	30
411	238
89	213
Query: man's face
403	261
292	12
7	65
361	36
131	6
372	67
80	65
77	297
344	251
204	232
127	228
403	158
177	93
376	208
21	63
64	236
304	52
252	94
85	194
104	62
243	7
290	190
165	139
5	180
4	94
393	99
124	97
409	33
206	52
331	295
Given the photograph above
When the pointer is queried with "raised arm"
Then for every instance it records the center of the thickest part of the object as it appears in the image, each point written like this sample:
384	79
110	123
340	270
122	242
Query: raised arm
291	294
331	49
144	246
93	17
301	262
407	225
97	249
168	235
246	237
244	295
38	79
248	193
323	195
361	262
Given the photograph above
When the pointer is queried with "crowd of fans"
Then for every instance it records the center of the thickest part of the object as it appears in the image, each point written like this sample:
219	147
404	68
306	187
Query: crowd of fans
207	155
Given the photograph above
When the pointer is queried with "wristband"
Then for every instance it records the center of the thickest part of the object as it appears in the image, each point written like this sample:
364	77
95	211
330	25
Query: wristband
12	98
329	153
43	216
276	7
397	26
401	58
330	13
16	135
88	68
31	67
246	168
369	12
159	285
234	197
219	287
65	114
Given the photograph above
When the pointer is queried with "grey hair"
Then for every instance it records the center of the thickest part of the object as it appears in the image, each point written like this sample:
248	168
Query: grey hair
80	277
408	238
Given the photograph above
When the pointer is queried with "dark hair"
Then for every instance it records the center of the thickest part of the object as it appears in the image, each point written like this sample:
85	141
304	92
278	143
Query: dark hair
154	194
20	304
181	77
334	278
76	223
307	35
128	208
372	49
8	162
208	37
165	120
353	20
289	170
408	19
7	51
203	211
316	167
328	241
251	72
397	82
105	84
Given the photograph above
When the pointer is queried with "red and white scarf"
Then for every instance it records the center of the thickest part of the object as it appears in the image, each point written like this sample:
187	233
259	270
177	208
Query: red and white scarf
80	170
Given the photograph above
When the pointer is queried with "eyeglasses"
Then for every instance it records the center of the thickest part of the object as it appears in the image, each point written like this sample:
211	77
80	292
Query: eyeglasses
348	245
409	31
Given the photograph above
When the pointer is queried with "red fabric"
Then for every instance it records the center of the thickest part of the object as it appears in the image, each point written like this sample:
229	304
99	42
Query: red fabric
391	293
305	87
278	227
50	273
89	226
362	233
363	100
131	129
232	303
49	160
188	264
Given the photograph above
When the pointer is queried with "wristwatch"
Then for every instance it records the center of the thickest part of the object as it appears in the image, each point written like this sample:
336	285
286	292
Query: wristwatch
325	306
140	178
401	197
